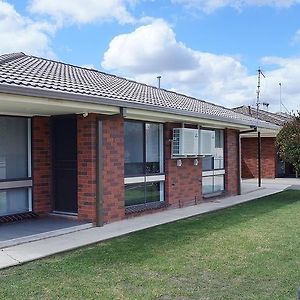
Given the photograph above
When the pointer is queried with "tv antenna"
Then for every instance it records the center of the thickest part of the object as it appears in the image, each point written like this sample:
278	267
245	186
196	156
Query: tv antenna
280	99
259	74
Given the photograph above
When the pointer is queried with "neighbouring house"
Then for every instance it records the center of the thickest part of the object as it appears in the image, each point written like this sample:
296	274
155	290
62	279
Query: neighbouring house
80	142
271	165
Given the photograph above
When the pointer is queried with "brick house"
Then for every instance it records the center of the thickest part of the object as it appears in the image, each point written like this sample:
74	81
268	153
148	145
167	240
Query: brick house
76	141
271	165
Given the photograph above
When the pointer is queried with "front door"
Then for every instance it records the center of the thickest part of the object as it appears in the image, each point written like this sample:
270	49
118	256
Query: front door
64	139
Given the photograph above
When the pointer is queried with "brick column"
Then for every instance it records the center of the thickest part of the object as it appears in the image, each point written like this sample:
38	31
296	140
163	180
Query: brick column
41	165
86	164
113	168
232	180
183	184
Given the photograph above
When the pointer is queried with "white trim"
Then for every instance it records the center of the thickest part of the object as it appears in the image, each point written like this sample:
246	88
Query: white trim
148	178
155	178
29	148
12	104
155	116
161	148
30	199
15	184
162	191
130	180
207	173
219	172
213	173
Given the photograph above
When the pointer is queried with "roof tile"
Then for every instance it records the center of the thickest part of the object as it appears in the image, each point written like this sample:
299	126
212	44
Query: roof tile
30	71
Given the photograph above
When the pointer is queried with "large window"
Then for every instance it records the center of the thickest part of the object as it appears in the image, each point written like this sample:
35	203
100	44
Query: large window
15	165
213	167
144	178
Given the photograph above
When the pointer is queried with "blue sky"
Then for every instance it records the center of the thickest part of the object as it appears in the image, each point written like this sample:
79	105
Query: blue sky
205	48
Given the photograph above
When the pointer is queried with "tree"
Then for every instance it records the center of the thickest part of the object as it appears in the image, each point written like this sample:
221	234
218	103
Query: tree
288	143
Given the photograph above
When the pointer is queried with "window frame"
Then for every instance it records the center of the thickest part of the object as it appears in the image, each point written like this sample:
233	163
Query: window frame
161	150
22	182
148	177
212	173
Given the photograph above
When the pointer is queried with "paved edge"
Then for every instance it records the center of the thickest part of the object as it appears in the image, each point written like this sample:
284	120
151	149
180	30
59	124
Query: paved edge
43	235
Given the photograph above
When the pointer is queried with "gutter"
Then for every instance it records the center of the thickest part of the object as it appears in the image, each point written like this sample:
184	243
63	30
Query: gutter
46	93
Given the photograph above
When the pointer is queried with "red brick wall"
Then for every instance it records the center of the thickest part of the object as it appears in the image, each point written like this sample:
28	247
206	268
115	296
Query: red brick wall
86	164
113	168
249	157
183	184
232	180
41	165
112	174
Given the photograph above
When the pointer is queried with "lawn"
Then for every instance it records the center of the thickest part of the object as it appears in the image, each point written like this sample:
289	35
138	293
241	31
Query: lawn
250	251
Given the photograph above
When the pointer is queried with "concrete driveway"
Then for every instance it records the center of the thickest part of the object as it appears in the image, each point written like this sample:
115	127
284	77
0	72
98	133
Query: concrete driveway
250	185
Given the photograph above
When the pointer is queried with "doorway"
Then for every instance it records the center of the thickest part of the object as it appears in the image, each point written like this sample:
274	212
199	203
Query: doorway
64	159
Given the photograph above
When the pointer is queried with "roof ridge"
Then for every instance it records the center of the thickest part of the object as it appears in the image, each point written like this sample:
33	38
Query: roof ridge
4	58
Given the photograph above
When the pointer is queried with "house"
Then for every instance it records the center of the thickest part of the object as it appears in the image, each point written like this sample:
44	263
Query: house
76	141
271	165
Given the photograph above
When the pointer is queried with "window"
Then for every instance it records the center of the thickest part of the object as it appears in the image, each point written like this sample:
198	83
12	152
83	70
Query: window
15	165
215	162
143	147
213	167
144	179
141	193
134	148
14	201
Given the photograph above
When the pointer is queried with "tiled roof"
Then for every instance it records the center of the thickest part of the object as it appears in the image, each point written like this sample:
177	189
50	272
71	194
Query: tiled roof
274	118
19	71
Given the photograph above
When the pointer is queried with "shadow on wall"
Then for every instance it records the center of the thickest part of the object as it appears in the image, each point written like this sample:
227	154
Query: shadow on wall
246	171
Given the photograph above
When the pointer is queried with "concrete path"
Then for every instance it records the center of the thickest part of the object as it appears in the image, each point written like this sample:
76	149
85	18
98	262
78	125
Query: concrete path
29	251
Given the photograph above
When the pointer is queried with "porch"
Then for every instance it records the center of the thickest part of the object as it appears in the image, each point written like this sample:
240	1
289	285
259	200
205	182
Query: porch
38	228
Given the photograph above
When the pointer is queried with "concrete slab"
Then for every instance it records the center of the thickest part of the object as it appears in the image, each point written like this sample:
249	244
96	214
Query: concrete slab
35	226
6	261
38	249
43	235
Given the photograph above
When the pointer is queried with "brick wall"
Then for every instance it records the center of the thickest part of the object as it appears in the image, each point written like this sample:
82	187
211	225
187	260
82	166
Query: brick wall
232	180
41	165
113	168
86	164
249	157
112	174
183	184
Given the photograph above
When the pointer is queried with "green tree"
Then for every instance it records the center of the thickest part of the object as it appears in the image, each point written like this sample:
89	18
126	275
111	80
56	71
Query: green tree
288	143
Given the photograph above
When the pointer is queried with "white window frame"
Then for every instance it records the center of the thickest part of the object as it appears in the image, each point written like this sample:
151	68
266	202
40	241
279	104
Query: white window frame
27	182
153	177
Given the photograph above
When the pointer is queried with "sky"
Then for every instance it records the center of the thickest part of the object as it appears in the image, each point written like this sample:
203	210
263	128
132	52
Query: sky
208	49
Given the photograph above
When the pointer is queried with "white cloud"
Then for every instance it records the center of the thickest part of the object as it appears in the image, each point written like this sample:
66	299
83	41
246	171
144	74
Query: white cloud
88	66
153	50
18	33
83	12
209	6
149	48
296	37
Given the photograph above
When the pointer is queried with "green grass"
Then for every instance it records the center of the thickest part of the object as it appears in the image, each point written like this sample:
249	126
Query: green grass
250	251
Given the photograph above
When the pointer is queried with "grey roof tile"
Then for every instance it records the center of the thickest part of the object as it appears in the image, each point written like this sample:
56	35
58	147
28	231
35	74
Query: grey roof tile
274	118
18	69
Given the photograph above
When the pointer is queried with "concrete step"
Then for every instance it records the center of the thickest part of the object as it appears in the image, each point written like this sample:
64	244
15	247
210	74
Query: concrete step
43	235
